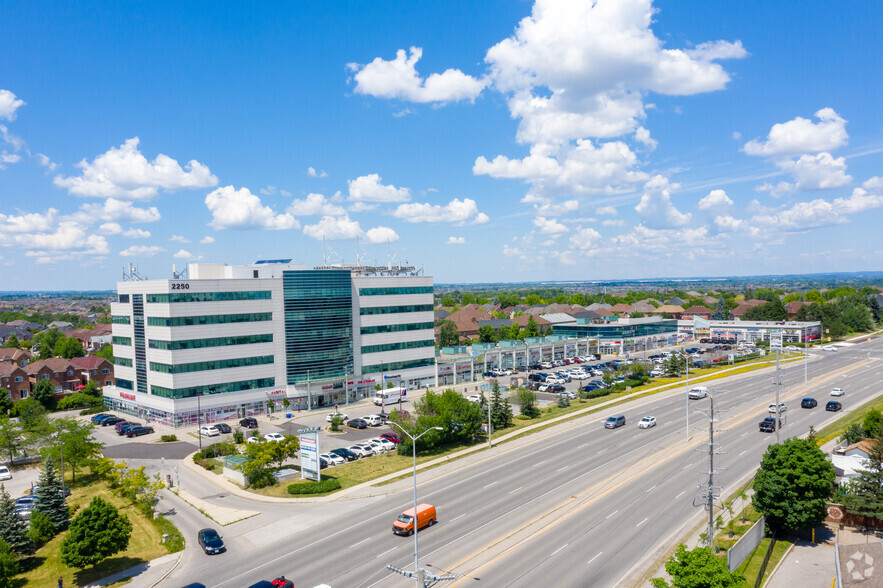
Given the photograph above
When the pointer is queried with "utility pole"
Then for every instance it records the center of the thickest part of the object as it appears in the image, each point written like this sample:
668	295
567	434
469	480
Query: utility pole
708	492
778	386
490	426
688	401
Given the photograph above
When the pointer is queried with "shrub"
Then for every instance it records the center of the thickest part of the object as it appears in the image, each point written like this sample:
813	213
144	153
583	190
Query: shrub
218	450
92	410
168	438
262	479
238	436
598	392
78	400
327	485
563	401
335	422
42	528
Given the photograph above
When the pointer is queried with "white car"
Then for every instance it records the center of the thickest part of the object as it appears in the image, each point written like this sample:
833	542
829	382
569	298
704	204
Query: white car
837	392
360	451
274	437
543	387
597	373
331	415
209	431
333	459
474	398
782	407
373	419
255	440
365	448
546	365
376	447
829	348
386	444
5	474
647	422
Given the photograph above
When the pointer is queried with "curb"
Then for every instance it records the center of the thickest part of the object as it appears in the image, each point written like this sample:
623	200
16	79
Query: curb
778	565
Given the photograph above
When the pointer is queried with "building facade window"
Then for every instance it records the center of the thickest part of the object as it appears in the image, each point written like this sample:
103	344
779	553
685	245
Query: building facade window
124	298
207	297
122	341
19	379
127	384
395	328
217	319
395	291
201	366
318	324
213	388
368	310
397	346
120	320
213	342
399	365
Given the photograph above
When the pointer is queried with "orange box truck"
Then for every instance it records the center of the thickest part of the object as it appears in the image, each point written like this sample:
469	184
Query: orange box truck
404	524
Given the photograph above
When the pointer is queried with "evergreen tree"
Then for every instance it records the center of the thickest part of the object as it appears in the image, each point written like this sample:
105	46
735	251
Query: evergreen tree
448	335
501	411
50	496
720	310
13	528
44	394
531	329
13	343
98	532
864	493
8	565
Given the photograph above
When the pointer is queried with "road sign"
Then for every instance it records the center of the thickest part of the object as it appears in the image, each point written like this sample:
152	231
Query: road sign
776	340
309	455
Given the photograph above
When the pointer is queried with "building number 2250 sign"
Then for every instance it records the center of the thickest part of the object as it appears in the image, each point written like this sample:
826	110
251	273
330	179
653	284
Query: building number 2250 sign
181	286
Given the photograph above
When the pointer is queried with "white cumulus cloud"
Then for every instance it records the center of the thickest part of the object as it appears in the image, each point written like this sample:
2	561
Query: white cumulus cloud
455	240
459	212
715	200
370	189
116	210
607	210
381	235
123	172
240	209
184	254
334	227
141	251
399	79
549	226
585	239
311	171
27	222
179	239
207	240
818	172
315	204
802	135
9	103
656	208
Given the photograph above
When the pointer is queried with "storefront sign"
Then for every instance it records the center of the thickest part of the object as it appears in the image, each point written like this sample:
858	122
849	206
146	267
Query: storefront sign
276	393
127	396
309	454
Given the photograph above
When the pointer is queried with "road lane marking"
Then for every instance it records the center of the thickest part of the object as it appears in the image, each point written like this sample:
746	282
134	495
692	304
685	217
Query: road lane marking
743	453
642	522
651	488
458	517
681	494
559	549
596	557
492	483
613	513
581	446
516	490
562	469
360	542
385	552
688	466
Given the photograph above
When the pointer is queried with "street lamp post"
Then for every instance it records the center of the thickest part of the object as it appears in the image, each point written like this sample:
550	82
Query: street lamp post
417	572
199	419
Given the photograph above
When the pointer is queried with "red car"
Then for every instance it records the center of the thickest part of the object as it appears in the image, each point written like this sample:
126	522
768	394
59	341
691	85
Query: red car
391	437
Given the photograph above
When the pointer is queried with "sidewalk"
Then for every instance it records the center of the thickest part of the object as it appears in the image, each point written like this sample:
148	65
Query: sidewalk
143	575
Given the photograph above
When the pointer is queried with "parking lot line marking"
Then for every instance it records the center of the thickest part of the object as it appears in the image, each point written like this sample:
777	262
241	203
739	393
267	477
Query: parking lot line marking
681	494
596	557
491	484
642	522
360	542
559	549
613	513
516	490
385	552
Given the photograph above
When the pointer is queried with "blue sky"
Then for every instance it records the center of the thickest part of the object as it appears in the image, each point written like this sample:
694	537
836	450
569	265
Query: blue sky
485	141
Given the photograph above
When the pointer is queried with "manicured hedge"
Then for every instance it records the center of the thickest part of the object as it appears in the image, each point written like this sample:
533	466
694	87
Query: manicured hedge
315	487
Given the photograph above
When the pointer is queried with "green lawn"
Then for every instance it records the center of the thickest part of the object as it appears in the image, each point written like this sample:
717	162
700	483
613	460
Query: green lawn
45	565
751	566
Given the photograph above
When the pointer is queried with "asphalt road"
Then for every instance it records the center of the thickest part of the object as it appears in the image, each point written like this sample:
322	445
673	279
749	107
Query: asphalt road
577	505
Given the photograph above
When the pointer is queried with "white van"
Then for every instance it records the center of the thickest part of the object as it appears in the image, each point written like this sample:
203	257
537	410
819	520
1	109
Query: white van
373	419
698	392
390	396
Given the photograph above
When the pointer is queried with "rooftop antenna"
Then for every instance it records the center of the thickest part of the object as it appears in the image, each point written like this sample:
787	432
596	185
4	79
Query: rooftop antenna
132	275
181	275
358	255
388	255
324	254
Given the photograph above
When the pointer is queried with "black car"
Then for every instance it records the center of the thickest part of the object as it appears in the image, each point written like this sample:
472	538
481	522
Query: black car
210	541
121	429
322	463
137	431
346	454
808	403
223	427
249	423
111	421
357	423
555	388
768	425
833	406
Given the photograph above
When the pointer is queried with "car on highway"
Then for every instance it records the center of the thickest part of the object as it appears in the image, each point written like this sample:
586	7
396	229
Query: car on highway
5	474
357	423
647	422
343	416
333	459
209	431
808	403
249	423
344	453
391	437
474	398
697	392
782	407
210	541
833	406
137	431
614	421
374	420
274	437
837	392
768	425
223	428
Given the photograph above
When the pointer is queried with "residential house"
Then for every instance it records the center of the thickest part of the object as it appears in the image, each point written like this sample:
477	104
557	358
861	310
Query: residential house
587	315
702	312
7	331
14	379
597	305
467	319
94	368
63	375
558	318
793	308
61	325
25	325
671	309
19	357
441	314
542	324
736	313
643	307
675	301
92	339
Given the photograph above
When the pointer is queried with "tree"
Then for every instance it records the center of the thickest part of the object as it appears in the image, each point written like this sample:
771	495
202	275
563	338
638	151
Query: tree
531	329
854	312
44	393
134	483
13	528
78	400
8	565
50	496
872	422
720	310
501	410
12	342
773	310
459	419
448	335
31	414
853	434
486	334
698	568
46	341
514	331
106	352
41	530
98	532
69	348
10	437
80	448
5	402
527	402
793	484
864	493
92	389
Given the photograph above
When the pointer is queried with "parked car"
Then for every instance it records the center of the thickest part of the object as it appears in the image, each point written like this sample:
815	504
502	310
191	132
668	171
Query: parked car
5	474
122	424
374	420
209	431
376	447
829	348
808	403
333	459
254	440
223	428
111	420
782	407
210	541
474	398
833	406
385	443
249	423
361	451
124	428
65	490
344	453
647	422
97	417
391	437
614	421
137	431
556	389
568	394
274	437
357	423
837	392
343	416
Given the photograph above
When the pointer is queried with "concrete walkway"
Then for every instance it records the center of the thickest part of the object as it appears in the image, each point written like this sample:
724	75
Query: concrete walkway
143	575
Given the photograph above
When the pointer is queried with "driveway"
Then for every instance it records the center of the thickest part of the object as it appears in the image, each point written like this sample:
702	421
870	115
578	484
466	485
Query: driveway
177	450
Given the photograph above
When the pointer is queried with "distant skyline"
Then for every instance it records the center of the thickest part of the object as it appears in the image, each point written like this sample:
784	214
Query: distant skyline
485	142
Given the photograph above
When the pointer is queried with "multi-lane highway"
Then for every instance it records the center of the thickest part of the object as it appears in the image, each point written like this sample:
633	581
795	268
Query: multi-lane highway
575	505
